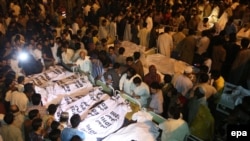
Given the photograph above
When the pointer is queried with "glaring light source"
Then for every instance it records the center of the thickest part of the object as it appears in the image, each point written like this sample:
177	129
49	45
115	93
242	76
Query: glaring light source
23	56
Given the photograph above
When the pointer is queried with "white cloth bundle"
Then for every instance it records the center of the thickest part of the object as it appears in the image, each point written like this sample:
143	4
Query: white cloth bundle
105	118
80	105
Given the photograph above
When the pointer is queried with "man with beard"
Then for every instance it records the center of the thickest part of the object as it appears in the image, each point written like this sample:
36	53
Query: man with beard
126	84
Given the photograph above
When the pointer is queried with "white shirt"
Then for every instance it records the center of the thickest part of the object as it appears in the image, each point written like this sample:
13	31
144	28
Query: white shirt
183	84
37	54
14	66
174	130
143	92
67	56
156	102
20	99
85	65
54	53
127	85
165	44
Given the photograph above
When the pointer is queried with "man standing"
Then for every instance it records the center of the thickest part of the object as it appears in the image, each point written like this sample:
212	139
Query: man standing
10	132
165	43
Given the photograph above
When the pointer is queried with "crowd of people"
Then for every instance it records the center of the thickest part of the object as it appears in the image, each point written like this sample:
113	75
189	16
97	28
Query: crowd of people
35	36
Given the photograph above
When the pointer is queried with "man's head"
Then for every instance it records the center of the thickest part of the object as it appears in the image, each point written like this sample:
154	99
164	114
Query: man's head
83	54
129	61
36	99
130	73
244	43
116	67
8	118
174	112
52	109
204	77
167	78
121	50
33	114
137	81
75	120
37	124
137	55
64	117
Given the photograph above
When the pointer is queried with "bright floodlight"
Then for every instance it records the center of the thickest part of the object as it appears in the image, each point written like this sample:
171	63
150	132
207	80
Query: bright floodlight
23	56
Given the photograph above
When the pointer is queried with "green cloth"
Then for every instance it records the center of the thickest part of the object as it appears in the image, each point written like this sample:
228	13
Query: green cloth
203	124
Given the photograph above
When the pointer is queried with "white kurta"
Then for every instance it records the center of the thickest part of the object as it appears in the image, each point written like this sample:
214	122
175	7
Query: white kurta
143	92
127	85
174	129
183	84
144	36
67	56
85	65
165	44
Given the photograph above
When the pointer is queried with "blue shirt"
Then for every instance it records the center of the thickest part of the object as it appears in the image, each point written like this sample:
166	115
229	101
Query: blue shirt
68	133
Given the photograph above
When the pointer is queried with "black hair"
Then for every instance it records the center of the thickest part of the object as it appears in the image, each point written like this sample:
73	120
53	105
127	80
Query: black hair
54	125
75	120
137	55
204	77
215	74
167	78
198	93
132	71
36	99
129	59
116	65
54	134
111	48
244	42
37	123
204	69
8	118
28	88
76	138
167	29
137	80
175	111
20	79
33	113
121	50
94	33
155	85
52	109
8	82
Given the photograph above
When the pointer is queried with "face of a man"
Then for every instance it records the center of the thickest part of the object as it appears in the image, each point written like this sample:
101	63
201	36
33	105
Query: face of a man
129	63
82	55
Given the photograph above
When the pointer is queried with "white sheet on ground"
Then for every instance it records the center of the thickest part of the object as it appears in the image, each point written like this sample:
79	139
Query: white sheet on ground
105	118
80	105
53	92
166	65
131	47
52	74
